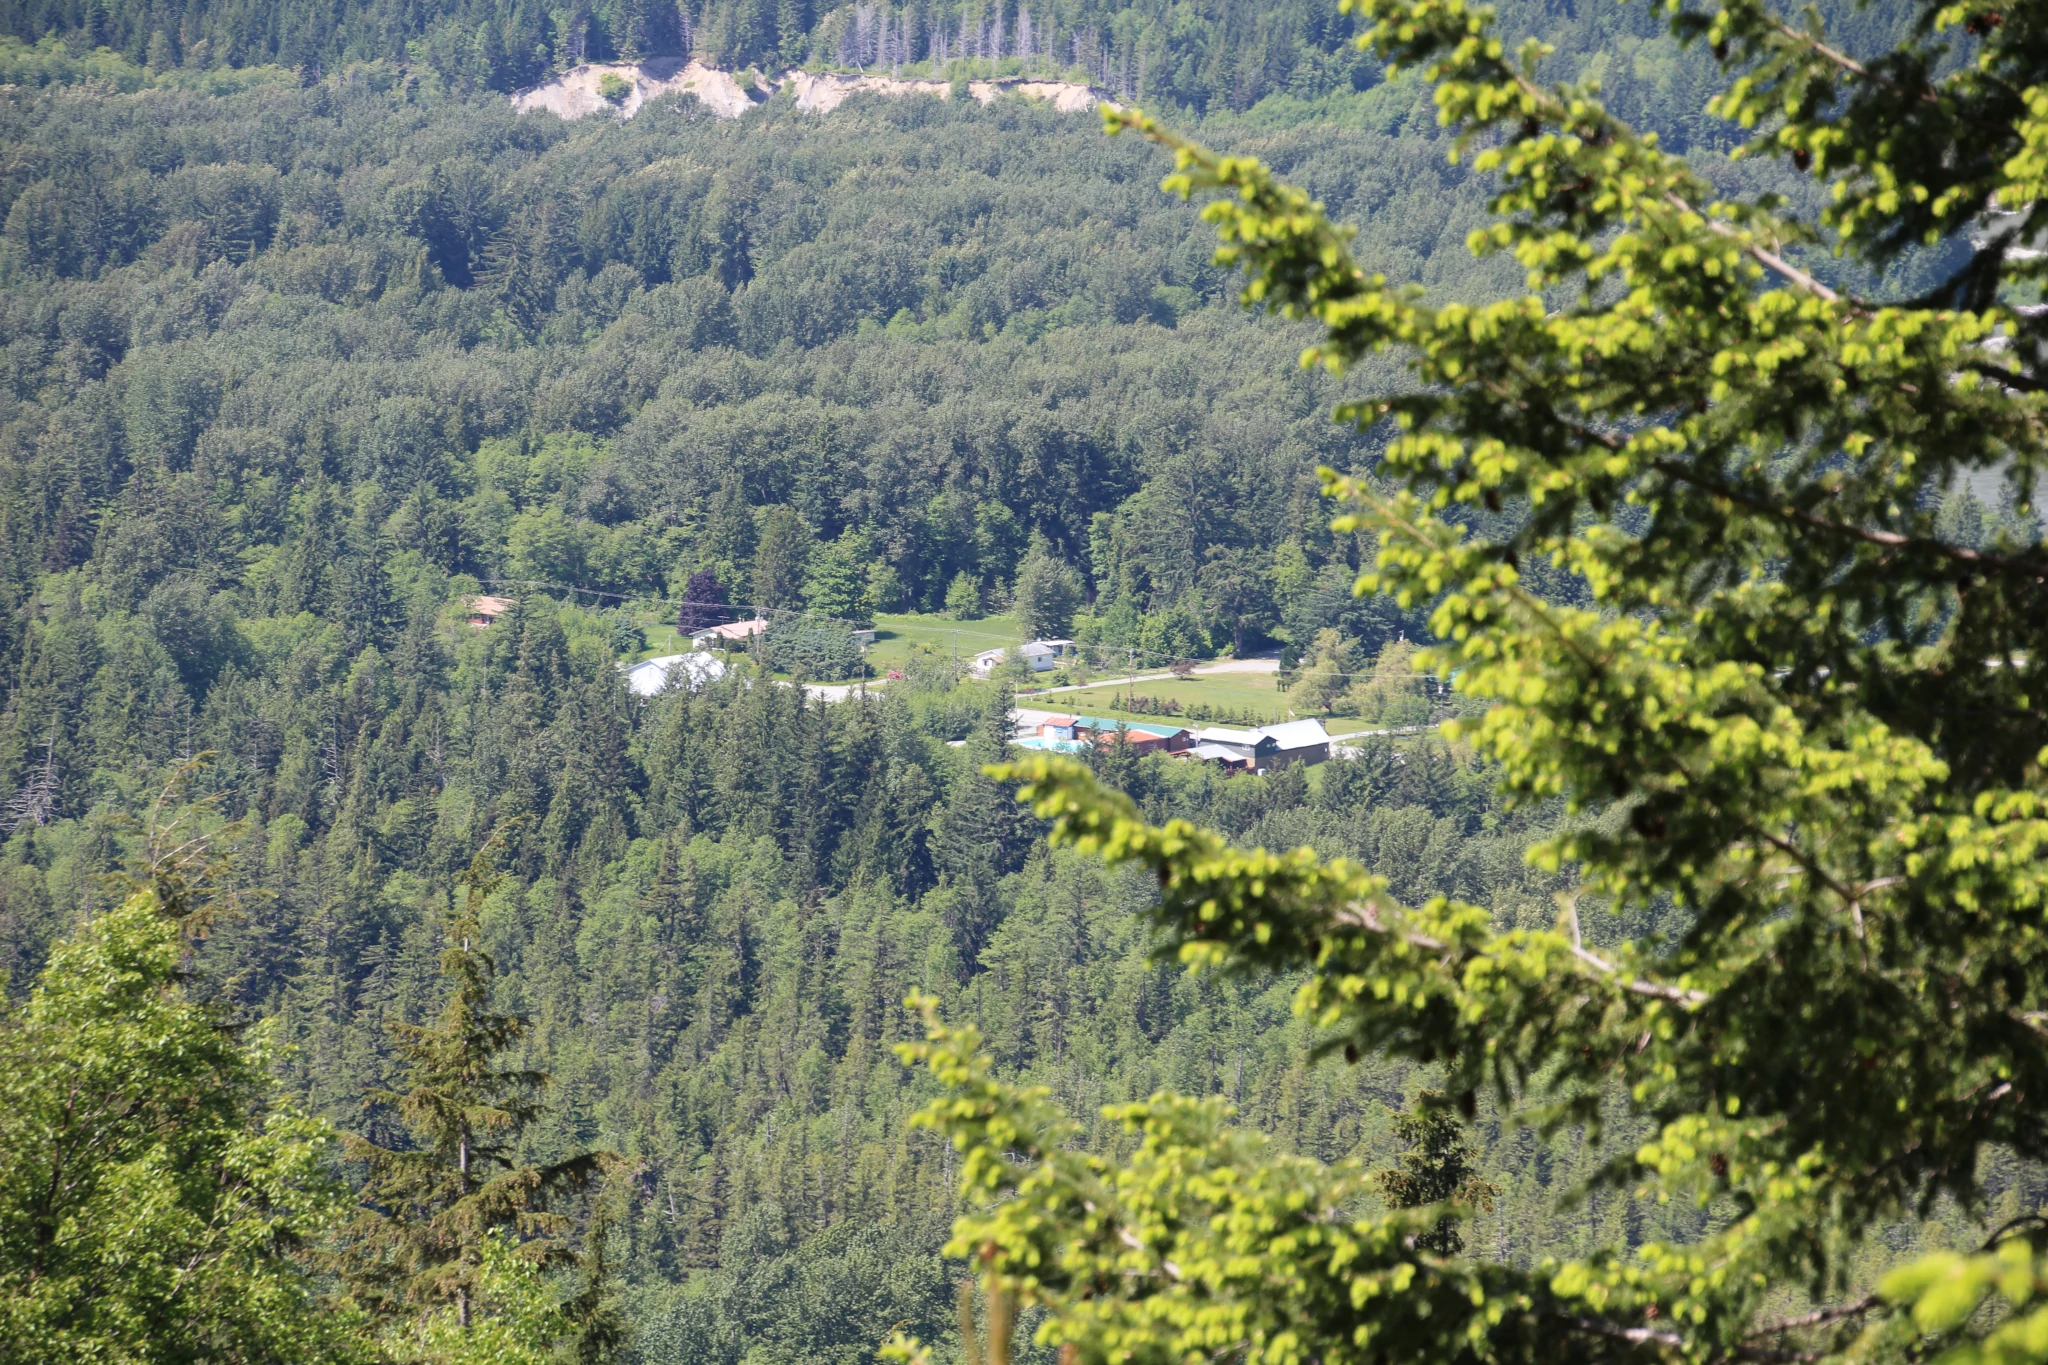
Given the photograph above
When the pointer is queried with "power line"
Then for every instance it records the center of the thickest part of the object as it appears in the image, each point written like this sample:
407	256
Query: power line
760	610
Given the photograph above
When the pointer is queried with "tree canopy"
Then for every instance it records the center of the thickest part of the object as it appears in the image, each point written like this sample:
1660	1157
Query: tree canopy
362	429
156	1201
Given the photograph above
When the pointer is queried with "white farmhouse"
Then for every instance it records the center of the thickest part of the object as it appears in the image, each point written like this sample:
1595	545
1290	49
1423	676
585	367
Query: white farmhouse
1043	656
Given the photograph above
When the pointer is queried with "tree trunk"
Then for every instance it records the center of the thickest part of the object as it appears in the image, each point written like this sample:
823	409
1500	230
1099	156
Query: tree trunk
462	1165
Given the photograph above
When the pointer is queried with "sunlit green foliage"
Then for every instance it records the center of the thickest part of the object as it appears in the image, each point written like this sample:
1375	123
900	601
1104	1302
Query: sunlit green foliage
156	1195
513	1317
294	363
1809	716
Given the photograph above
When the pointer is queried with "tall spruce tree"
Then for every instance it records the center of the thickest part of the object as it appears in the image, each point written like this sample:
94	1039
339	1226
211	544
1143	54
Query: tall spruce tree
980	836
1435	1170
1808	718
430	1207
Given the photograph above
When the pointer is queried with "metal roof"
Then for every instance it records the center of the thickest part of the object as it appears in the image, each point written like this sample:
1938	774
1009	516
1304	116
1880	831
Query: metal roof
1215	751
1105	723
1247	739
1296	734
650	676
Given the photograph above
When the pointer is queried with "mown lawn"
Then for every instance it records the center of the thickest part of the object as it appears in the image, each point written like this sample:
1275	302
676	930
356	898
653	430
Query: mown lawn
897	635
662	637
1236	692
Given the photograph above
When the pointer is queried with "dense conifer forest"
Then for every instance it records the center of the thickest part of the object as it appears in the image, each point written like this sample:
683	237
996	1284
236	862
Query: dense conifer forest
306	338
1212	56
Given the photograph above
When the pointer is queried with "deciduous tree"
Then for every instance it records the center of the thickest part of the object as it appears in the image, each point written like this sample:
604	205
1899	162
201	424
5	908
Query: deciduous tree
1048	592
154	1193
703	603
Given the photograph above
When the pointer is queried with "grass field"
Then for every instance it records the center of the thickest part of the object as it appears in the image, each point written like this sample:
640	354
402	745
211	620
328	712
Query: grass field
1233	691
662	638
897	635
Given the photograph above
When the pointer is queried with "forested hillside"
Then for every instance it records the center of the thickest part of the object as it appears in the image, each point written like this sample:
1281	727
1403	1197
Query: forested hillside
292	371
1209	56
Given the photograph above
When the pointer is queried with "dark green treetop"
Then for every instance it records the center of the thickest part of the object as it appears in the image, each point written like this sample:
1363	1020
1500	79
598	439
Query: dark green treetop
430	1208
1437	1168
1808	717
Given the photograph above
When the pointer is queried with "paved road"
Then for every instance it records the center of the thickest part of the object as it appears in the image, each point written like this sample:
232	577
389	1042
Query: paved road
1265	663
1342	747
1030	718
1026	718
832	691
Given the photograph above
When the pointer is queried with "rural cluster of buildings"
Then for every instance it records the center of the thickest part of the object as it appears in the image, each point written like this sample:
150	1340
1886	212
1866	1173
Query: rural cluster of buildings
1260	750
650	676
1265	749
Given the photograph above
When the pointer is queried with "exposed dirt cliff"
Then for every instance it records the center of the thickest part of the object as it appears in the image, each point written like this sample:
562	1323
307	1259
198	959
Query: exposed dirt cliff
578	93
